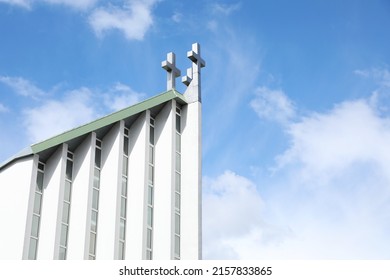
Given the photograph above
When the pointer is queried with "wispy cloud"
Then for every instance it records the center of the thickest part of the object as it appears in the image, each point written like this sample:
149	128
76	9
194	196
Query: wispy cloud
225	9
76	4
21	3
3	109
212	25
379	75
133	19
54	116
76	107
273	105
51	113
177	17
22	86
231	54
120	96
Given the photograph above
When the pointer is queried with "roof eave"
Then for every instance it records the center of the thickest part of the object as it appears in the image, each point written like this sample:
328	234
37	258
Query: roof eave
97	124
22	154
109	119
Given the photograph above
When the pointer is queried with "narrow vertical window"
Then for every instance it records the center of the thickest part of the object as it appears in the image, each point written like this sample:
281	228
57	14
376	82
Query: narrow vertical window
150	191
95	200
123	200
37	211
177	207
66	207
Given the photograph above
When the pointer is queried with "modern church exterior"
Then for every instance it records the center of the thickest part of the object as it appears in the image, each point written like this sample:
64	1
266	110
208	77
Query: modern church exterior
125	186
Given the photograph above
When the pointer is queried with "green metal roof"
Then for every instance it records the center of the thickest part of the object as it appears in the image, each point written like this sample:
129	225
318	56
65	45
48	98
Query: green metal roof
99	123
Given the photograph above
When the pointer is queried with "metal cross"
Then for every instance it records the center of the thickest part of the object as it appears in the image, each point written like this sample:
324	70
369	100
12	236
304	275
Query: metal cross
172	71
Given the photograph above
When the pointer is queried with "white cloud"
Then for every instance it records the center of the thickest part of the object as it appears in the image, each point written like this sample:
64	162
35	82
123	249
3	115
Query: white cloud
3	109
231	54
273	105
134	19
21	3
231	207
234	220
56	116
75	107
177	17
22	86
340	162
121	96
76	4
379	75
225	9
328	198
212	25
380	97
328	143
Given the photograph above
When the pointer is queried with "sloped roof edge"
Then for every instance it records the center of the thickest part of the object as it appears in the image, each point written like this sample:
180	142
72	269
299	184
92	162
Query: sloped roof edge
107	120
23	153
99	123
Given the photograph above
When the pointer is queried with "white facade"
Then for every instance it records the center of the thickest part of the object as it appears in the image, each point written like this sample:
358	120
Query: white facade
127	186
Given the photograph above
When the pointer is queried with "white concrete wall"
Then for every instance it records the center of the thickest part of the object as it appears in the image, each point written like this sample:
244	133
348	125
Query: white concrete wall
119	191
108	199
78	226
61	189
53	176
18	193
30	207
138	160
163	226
191	195
15	188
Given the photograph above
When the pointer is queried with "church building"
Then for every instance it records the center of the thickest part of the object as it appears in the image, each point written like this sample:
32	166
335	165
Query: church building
124	186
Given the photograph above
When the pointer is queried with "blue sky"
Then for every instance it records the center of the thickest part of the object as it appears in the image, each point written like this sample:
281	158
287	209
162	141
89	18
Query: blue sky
296	107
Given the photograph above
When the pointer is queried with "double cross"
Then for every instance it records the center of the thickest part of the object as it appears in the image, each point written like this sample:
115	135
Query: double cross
193	73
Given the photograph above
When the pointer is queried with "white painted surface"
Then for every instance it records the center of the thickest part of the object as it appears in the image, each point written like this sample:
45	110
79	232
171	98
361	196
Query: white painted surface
109	180
14	202
61	186
136	188
54	168
191	221
79	201
163	192
119	191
